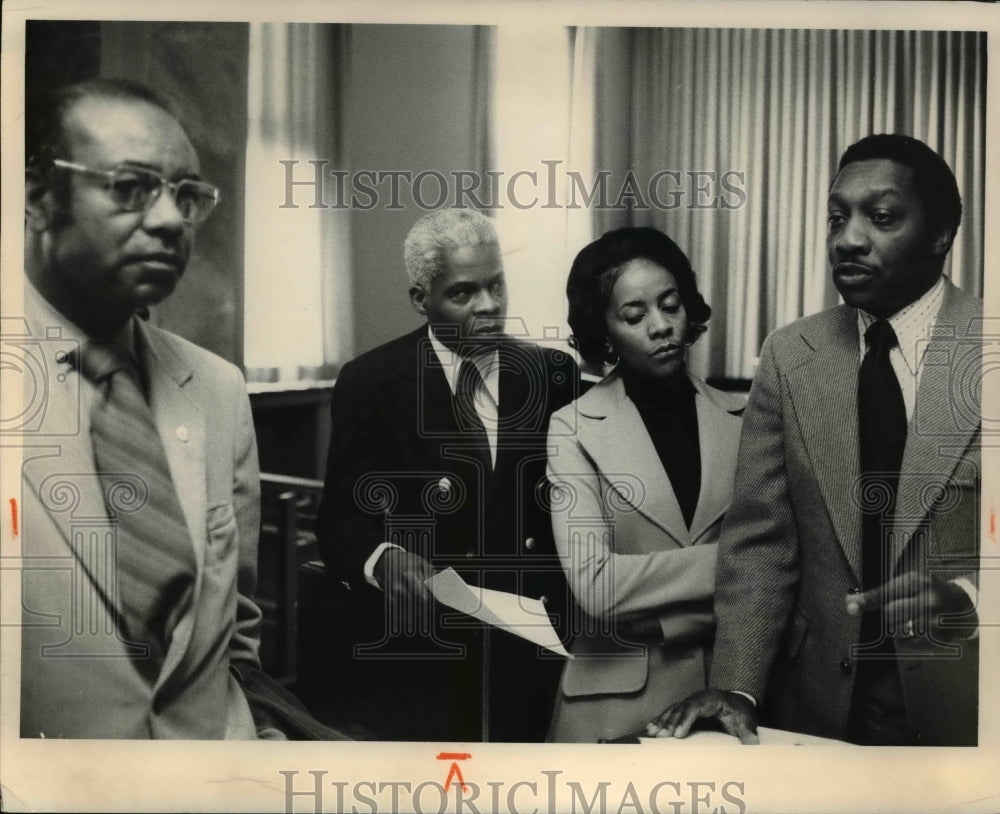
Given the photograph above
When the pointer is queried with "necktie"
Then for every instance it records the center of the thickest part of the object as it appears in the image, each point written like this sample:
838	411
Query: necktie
877	714
882	436
467	389
156	564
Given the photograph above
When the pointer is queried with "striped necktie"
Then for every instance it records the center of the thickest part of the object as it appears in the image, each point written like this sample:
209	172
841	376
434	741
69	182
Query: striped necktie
468	388
156	564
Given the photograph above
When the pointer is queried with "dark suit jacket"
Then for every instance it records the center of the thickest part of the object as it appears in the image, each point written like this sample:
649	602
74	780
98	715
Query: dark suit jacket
791	542
400	471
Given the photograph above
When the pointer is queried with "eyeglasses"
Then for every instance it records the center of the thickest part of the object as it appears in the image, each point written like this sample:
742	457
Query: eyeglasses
135	189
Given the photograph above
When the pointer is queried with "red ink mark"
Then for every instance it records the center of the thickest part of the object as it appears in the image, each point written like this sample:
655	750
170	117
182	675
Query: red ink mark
13	514
993	524
454	771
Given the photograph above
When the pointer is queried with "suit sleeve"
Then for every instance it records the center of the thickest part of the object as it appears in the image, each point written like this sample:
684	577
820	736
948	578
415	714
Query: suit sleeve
603	582
246	506
347	533
758	567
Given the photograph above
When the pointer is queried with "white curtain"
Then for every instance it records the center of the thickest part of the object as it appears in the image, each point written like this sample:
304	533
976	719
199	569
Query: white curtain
779	107
298	282
542	127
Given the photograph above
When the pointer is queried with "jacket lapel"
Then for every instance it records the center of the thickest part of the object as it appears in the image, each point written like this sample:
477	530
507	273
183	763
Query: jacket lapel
719	422
421	395
521	425
613	433
946	416
823	389
63	473
181	426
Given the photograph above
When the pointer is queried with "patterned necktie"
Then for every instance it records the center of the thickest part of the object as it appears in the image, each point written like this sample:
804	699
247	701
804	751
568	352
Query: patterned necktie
882	436
468	388
156	564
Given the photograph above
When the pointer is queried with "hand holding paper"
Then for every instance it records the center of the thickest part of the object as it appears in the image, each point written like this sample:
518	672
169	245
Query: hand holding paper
516	614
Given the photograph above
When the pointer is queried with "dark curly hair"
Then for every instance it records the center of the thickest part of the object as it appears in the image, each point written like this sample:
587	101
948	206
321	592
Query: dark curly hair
933	179
598	266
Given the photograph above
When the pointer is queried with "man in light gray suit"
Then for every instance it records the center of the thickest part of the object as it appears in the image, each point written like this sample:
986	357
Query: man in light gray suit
141	486
847	576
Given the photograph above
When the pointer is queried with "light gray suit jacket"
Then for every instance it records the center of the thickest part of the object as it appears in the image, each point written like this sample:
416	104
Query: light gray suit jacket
76	679
791	544
629	556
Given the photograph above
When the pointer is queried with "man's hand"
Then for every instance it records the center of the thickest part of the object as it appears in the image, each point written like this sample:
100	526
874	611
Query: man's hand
735	712
402	575
914	603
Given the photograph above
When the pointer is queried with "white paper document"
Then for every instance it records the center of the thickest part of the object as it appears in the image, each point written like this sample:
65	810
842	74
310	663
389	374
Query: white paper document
516	614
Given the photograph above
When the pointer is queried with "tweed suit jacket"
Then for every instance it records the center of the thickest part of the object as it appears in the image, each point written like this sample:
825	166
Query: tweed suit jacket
76	679
791	543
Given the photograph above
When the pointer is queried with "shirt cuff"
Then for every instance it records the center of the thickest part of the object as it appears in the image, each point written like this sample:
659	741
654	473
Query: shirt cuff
369	568
746	695
973	592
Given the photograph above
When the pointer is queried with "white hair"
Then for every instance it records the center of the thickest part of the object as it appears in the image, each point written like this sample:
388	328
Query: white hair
438	232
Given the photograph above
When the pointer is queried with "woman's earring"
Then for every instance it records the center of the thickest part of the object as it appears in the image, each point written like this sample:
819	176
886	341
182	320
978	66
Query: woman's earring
611	356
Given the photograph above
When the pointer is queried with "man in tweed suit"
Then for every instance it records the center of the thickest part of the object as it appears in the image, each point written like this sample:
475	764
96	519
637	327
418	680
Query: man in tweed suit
828	624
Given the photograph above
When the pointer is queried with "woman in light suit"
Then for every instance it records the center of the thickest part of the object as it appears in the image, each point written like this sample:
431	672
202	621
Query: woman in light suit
641	468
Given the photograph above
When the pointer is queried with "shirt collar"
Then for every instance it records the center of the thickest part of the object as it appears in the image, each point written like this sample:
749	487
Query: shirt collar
911	324
47	315
489	366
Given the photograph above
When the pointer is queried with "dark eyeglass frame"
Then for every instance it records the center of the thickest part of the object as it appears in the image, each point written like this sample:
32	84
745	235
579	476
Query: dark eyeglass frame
204	191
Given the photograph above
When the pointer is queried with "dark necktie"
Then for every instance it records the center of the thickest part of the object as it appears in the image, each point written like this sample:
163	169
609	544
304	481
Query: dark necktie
877	714
468	388
156	564
882	436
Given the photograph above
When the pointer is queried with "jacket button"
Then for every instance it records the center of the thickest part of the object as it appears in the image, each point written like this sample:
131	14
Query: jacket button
529	543
846	665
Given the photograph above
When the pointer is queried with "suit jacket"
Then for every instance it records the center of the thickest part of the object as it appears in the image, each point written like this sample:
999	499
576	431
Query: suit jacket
76	679
791	546
630	557
399	470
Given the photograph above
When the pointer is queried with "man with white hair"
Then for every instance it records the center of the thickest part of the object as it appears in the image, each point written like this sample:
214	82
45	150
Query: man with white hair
437	460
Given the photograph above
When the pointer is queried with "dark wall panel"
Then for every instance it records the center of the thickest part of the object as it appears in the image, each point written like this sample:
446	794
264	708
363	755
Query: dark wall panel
203	66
